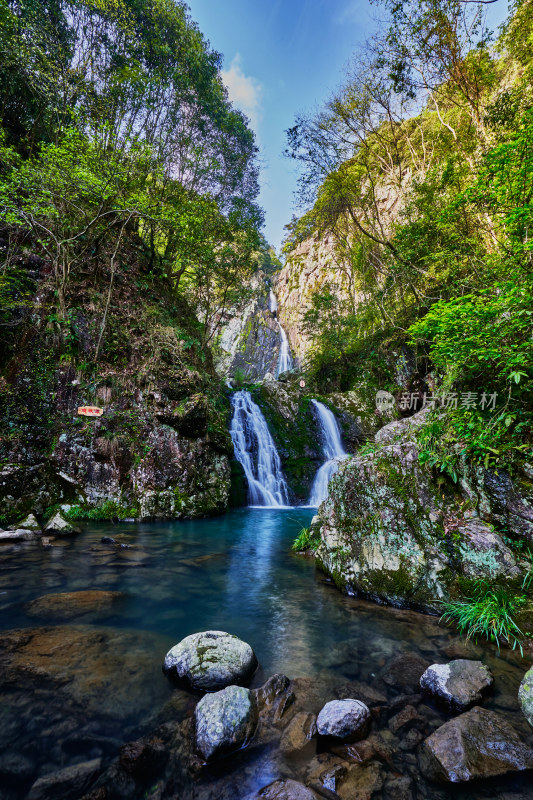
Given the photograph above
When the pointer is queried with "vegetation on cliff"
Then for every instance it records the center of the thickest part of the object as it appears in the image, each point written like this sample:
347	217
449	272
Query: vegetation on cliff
419	168
128	227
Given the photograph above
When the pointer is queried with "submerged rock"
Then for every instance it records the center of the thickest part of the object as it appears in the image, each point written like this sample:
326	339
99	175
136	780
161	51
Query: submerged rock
286	790
69	605
59	525
210	660
66	783
525	696
460	684
224	721
299	733
477	744
348	720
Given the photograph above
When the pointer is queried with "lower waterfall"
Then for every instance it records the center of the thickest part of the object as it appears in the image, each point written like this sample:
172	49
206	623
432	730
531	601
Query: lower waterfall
333	452
256	451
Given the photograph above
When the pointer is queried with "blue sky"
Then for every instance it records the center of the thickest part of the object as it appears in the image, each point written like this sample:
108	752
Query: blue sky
282	57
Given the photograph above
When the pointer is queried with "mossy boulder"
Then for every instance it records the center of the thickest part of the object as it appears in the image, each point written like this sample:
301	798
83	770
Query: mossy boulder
394	532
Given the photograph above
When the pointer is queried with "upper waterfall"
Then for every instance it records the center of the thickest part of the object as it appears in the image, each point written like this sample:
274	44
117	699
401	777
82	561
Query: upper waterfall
285	359
333	453
256	451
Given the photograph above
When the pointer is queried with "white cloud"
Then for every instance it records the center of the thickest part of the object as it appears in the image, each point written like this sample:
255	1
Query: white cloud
244	91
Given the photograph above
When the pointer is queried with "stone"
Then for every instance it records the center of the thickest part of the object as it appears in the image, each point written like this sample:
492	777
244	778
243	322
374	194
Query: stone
525	696
459	684
69	605
476	744
274	697
224	721
286	790
19	535
59	525
348	720
107	540
210	660
299	733
29	523
404	671
144	758
332	776
403	719
65	783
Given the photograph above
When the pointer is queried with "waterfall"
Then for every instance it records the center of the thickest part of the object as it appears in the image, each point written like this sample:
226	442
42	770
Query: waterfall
284	360
256	451
333	453
272	303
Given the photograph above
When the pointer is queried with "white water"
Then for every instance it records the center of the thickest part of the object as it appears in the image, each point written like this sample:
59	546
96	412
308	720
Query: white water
272	303
333	453
284	360
256	451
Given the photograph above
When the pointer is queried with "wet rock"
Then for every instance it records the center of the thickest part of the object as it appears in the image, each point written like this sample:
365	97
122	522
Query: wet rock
404	672
144	758
274	697
525	696
66	783
210	660
60	526
348	720
459	684
399	788
107	540
224	721
299	733
477	744
69	605
331	776
405	718
286	790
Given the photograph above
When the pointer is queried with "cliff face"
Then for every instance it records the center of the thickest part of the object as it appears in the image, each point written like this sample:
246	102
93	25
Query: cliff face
161	448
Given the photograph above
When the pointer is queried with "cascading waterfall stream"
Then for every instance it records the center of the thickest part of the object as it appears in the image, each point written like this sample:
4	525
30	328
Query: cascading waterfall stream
256	451
333	451
285	362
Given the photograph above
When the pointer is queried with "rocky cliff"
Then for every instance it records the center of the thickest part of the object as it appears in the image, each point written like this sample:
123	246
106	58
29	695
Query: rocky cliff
161	448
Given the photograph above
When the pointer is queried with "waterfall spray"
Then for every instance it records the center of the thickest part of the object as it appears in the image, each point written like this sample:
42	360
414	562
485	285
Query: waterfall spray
333	453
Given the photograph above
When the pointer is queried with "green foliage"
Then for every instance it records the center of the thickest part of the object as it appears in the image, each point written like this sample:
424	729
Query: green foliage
305	541
490	613
109	510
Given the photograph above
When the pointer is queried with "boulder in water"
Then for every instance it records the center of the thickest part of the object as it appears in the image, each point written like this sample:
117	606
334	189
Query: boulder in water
224	721
29	523
210	660
69	605
477	744
459	684
525	696
59	525
348	720
66	783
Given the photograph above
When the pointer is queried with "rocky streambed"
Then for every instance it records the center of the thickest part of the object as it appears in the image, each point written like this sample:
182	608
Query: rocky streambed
87	712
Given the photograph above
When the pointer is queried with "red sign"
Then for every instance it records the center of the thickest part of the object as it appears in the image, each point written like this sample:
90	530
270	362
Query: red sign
90	411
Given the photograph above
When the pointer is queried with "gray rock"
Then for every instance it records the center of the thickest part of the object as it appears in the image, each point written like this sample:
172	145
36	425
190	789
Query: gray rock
460	684
210	660
477	744
348	720
224	721
29	523
525	695
18	535
66	783
59	525
286	790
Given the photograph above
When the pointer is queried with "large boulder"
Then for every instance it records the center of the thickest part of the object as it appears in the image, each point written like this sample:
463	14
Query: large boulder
210	660
224	721
477	744
391	532
29	523
525	695
17	535
459	684
348	720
